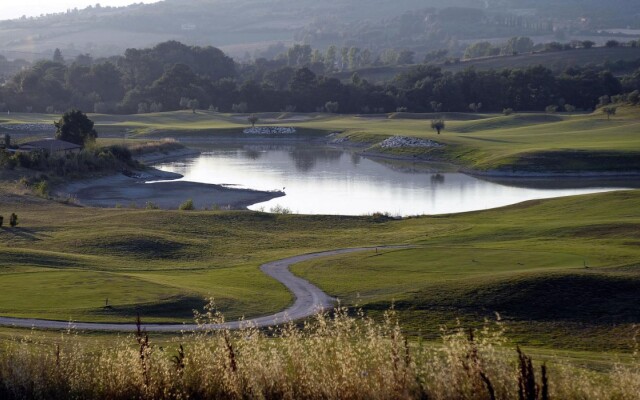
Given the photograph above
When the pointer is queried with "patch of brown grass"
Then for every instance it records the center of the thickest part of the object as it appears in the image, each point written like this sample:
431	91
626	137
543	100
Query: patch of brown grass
333	356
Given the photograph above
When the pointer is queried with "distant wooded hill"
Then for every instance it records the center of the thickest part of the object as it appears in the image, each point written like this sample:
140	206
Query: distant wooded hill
241	26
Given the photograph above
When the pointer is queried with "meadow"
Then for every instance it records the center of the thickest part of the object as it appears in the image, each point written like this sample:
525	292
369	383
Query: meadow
562	274
521	143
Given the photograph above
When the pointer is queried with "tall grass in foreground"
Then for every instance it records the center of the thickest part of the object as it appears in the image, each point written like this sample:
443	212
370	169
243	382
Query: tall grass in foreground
332	357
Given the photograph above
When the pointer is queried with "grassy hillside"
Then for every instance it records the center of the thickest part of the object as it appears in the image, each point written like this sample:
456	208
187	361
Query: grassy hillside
526	262
529	143
63	262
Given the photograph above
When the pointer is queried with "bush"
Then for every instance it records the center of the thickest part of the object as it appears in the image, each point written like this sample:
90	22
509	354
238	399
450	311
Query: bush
551	109
278	209
507	111
240	108
187	206
13	220
151	206
42	189
332	107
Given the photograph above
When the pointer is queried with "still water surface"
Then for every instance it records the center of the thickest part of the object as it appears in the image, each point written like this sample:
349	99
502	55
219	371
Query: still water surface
320	180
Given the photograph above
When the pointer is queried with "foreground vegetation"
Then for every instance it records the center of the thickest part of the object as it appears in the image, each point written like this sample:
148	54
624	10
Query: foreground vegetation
331	357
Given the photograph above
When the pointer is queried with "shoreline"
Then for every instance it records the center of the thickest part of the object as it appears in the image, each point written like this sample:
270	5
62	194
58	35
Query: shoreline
524	175
159	189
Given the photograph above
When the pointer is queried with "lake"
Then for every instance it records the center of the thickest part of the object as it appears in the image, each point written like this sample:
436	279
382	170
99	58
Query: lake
324	180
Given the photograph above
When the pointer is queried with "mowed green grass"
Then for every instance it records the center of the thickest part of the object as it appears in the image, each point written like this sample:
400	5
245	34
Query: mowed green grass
526	142
525	261
63	262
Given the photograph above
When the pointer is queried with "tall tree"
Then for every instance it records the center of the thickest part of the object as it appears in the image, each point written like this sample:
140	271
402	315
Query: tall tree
75	127
57	57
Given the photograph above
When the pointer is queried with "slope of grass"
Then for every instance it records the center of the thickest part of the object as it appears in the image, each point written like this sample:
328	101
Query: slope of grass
517	143
62	262
525	261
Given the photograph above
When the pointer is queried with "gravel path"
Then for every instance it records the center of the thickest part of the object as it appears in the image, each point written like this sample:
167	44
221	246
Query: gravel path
309	300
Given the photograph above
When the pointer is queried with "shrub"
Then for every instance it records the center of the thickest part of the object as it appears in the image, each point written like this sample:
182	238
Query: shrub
332	107
280	210
507	111
551	109
42	189
240	108
151	206
13	220
187	206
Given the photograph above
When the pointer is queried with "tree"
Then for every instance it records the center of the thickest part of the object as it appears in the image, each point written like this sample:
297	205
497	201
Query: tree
1	220
609	111
587	44
435	106
75	127
253	119
330	58
480	49
13	220
437	125
551	109
332	107
517	45
475	107
57	57
569	108
194	104
406	57
612	43
143	108
155	107
240	108
507	111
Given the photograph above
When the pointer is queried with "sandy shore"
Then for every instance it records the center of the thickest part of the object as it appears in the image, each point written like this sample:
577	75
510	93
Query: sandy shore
164	189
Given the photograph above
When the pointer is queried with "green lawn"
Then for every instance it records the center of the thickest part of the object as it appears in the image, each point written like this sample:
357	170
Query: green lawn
525	261
516	143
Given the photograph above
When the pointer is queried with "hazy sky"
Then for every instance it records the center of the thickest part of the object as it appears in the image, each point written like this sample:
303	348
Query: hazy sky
16	9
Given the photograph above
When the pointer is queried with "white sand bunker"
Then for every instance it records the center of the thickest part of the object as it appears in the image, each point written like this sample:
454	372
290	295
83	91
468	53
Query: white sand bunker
405	141
269	130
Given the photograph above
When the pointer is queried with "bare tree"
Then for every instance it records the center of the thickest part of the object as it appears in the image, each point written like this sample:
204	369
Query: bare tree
253	119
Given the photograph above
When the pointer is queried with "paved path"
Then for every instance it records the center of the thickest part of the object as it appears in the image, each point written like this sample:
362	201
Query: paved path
309	299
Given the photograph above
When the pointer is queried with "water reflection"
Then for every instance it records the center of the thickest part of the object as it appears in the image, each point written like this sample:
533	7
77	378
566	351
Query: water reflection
437	179
322	180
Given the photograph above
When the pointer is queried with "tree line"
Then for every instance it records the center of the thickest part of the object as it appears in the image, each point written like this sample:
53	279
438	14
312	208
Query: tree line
173	76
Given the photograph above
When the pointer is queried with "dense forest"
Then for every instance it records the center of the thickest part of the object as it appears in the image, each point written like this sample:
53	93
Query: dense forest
172	76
